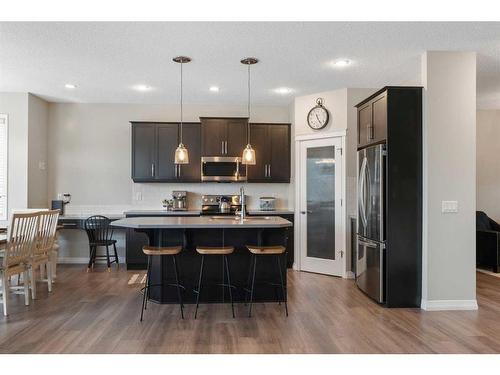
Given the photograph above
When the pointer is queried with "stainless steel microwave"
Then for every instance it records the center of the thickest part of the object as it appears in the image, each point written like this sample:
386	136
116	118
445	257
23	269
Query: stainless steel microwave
223	169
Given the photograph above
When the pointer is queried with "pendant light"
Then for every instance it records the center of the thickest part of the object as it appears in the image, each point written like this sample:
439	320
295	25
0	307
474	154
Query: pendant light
248	156
181	153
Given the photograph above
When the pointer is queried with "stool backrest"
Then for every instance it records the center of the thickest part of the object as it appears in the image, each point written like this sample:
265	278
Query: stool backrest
46	231
98	228
21	238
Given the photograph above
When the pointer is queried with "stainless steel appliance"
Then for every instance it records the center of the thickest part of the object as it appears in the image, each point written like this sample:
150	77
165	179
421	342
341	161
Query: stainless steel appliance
370	265
220	204
179	200
222	169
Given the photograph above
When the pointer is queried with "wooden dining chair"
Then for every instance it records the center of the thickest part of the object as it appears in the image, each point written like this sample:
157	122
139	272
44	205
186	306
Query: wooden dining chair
41	255
21	239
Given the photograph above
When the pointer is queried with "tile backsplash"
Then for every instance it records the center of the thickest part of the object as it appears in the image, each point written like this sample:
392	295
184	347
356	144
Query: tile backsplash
149	196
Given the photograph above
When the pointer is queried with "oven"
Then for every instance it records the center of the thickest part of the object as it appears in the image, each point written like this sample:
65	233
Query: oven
223	169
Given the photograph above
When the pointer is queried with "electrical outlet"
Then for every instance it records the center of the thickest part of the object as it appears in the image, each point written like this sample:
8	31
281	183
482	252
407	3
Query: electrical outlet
138	196
449	207
41	165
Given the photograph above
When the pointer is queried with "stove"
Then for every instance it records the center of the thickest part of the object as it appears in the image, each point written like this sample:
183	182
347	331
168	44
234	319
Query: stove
210	204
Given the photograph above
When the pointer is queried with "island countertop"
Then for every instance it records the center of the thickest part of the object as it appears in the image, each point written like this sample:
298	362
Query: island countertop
186	222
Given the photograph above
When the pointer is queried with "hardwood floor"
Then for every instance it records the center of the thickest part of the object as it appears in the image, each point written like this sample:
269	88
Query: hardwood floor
99	313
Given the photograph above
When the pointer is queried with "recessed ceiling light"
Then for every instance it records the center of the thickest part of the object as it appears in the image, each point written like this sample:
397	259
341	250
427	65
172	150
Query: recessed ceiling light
142	87
283	90
341	63
214	89
70	86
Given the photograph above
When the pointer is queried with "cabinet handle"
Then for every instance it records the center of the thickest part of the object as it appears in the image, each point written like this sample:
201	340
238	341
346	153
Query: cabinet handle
369	132
265	170
269	170
226	147
152	169
179	170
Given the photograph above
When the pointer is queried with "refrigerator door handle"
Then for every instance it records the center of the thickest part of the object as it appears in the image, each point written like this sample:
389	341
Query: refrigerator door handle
361	191
366	243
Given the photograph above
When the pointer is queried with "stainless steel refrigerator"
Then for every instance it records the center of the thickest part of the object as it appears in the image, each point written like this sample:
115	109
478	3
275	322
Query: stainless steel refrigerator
371	239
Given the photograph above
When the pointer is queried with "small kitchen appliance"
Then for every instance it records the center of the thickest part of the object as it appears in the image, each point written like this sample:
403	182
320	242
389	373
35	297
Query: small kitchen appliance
61	202
179	200
267	203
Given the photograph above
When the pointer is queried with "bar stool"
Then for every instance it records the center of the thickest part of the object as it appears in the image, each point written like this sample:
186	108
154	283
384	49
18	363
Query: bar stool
223	251
172	252
266	251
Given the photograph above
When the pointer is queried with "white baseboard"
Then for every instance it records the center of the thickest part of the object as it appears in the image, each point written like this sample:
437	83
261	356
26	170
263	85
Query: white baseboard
449	304
350	275
83	260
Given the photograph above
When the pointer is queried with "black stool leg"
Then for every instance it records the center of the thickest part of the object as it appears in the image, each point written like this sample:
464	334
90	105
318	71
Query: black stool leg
223	279
282	285
146	289
199	286
116	256
176	271
224	258
148	281
107	258
253	285
249	278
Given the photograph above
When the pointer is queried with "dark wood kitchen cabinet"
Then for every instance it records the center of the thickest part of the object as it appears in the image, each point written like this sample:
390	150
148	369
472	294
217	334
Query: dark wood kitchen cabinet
153	151
223	136
272	152
143	154
372	121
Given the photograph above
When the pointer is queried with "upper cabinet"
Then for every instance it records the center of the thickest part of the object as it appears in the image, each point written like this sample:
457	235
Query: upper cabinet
271	143
154	144
372	120
153	150
223	136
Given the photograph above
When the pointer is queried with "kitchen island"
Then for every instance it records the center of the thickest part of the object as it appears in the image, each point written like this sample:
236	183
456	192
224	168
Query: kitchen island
211	231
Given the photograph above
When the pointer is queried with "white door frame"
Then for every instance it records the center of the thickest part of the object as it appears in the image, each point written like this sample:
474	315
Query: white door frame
6	166
298	193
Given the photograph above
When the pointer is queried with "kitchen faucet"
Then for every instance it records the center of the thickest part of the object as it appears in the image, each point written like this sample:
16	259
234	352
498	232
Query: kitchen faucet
242	213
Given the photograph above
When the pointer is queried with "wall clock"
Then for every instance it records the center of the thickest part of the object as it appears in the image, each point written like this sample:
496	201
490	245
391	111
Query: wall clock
318	116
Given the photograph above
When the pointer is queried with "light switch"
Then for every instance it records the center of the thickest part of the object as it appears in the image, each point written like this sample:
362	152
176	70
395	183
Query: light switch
41	165
449	206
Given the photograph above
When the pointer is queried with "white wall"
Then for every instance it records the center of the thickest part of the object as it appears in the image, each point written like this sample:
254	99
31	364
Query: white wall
449	278
90	148
488	167
15	105
38	116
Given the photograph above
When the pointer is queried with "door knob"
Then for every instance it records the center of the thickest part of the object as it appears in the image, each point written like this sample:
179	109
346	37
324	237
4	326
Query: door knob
306	212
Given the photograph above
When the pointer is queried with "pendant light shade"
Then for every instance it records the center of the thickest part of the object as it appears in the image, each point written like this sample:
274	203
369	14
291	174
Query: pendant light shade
181	155
248	157
181	152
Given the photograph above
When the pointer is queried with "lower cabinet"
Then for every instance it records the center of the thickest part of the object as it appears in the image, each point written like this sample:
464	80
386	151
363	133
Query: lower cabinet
136	259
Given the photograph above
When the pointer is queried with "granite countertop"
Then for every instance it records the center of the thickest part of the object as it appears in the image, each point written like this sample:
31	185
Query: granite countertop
163	212
83	217
250	211
201	222
278	211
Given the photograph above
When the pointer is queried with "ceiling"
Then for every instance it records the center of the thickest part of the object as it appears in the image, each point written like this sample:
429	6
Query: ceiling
106	60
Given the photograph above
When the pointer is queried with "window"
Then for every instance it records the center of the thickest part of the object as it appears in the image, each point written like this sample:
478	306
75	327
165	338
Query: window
3	167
